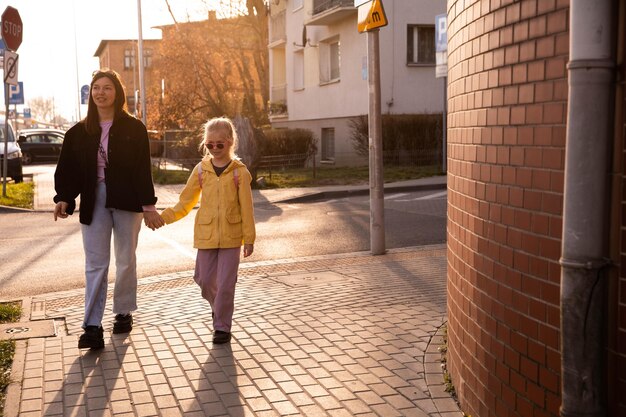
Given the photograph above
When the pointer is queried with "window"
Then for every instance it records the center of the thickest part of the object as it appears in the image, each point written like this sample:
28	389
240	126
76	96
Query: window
298	70
129	58
328	144
330	60
420	45
147	58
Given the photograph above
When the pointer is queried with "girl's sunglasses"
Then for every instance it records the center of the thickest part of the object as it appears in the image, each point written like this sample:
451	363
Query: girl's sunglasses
217	145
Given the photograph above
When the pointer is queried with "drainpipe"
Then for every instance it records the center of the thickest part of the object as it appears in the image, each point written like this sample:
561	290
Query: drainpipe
585	209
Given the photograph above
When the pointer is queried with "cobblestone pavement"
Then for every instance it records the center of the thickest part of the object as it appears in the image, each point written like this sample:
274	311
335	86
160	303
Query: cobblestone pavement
340	335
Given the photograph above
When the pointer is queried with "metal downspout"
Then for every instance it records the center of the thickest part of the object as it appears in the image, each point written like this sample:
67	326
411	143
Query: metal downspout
585	209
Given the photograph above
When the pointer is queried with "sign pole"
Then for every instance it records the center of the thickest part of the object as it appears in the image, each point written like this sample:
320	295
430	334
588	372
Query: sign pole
5	161
376	176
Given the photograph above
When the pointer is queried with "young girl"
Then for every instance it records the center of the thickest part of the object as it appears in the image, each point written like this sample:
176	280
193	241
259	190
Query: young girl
223	222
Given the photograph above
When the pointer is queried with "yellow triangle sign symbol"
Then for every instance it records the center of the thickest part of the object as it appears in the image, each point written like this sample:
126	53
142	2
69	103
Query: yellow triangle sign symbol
374	18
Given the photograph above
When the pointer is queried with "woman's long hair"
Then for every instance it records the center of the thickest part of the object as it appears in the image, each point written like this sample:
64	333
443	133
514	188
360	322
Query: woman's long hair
92	120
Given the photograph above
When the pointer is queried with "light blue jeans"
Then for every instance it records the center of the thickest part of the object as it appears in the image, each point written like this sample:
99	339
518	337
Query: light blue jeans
124	226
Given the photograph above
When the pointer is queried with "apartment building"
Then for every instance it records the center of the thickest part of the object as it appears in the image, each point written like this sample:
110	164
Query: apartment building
318	68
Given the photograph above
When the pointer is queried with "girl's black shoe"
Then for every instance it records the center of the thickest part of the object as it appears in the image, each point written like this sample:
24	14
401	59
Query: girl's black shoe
220	337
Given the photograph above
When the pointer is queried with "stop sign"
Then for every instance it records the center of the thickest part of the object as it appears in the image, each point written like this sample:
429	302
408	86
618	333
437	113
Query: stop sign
11	28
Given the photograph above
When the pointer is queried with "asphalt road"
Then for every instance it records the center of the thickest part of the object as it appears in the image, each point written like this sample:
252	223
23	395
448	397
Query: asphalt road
39	255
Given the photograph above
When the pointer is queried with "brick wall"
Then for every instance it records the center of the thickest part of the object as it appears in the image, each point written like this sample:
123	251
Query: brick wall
507	90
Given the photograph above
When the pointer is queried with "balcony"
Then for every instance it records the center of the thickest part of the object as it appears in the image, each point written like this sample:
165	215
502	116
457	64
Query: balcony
278	32
327	12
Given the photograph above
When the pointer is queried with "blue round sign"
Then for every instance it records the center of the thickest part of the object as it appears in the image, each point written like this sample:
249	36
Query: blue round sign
84	94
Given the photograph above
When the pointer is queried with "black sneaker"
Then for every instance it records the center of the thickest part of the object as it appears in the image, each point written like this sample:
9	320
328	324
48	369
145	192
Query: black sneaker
220	337
123	323
93	338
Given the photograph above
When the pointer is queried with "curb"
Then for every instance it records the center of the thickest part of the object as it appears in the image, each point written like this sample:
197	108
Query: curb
323	195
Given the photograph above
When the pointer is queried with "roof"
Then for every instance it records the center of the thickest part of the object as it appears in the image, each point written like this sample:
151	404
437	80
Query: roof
104	42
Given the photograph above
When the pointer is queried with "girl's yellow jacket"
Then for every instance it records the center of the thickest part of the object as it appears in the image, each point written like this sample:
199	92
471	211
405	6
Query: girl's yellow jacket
225	218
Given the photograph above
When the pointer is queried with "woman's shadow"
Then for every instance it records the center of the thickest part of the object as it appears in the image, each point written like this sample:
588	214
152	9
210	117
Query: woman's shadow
89	385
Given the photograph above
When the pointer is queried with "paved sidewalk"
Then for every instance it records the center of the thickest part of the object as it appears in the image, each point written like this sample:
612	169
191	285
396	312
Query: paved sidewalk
340	335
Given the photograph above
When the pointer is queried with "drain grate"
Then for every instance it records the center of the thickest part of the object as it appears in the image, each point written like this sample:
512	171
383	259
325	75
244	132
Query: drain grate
311	278
27	330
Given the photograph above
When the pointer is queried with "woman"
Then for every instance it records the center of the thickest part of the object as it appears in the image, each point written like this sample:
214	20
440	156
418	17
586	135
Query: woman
106	160
224	221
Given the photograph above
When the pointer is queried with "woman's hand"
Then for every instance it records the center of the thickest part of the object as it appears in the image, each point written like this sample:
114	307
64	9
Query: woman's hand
153	219
248	248
60	210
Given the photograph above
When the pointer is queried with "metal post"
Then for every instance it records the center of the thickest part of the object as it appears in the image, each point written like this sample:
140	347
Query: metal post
5	162
377	191
142	85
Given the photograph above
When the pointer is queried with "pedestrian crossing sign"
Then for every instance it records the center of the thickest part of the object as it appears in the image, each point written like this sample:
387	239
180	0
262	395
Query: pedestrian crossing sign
371	16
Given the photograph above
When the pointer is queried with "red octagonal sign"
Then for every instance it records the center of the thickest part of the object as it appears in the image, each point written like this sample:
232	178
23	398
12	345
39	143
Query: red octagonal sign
11	28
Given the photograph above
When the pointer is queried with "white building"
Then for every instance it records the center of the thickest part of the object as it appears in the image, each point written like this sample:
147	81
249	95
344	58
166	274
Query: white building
318	68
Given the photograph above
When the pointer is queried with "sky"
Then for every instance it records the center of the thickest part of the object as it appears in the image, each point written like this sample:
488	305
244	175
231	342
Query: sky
60	37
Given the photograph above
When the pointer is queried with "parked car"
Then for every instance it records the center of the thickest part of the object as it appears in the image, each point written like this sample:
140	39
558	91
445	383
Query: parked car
40	145
14	164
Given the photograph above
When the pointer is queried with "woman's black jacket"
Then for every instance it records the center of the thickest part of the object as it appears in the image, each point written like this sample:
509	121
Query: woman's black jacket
128	176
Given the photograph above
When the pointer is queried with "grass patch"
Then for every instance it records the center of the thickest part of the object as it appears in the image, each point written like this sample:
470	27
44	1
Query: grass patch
9	313
169	176
19	195
303	177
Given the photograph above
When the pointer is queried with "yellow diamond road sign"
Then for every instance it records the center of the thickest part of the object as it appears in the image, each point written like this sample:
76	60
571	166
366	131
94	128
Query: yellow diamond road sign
371	16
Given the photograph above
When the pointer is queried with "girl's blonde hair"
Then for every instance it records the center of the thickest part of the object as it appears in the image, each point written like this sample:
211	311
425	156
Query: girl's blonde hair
220	124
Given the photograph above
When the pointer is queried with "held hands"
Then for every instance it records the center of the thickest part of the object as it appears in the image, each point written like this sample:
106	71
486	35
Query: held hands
248	248
60	210
153	219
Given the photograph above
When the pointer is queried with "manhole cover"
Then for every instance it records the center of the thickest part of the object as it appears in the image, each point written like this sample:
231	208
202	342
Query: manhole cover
311	278
38	328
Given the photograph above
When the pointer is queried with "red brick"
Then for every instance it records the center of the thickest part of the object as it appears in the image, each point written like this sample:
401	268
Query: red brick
561	46
520	74
527	51
545	6
536	71
537	27
499	18
520	32
554	113
549	380
528	9
544	91
505	76
553	203
556	68
526	93
534	114
557	21
545	47
506	36
532	201
553	158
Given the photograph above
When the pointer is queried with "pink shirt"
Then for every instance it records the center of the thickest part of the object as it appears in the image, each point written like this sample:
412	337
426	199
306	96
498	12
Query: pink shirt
103	151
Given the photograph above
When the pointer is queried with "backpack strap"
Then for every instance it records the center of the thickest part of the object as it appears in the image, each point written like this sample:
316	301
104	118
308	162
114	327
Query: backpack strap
236	178
200	175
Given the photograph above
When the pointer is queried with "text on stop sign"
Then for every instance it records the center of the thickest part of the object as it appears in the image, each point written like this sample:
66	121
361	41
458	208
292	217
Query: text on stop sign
12	28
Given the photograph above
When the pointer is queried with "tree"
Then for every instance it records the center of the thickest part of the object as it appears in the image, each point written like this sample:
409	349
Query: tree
213	67
42	108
